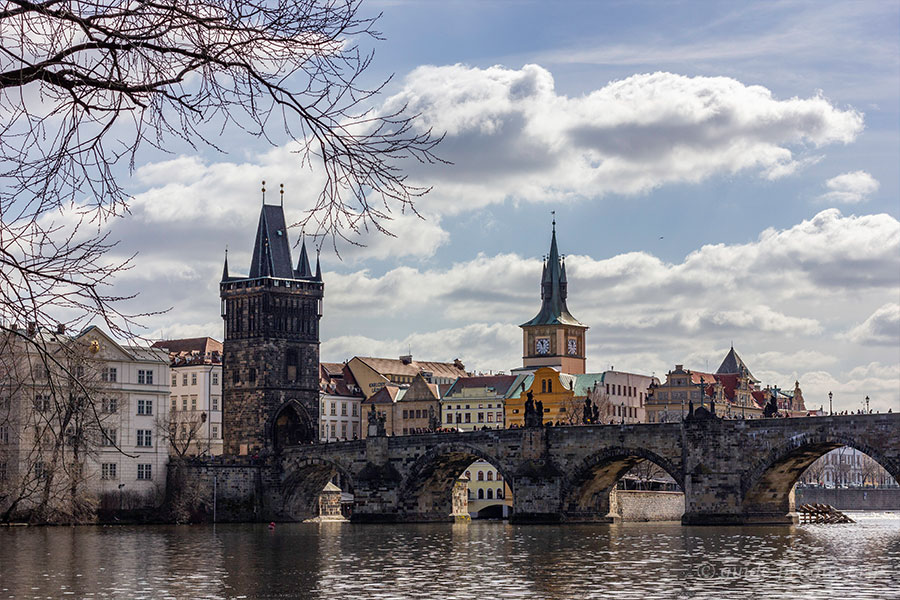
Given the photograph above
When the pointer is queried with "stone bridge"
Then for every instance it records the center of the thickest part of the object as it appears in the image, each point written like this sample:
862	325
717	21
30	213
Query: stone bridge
731	472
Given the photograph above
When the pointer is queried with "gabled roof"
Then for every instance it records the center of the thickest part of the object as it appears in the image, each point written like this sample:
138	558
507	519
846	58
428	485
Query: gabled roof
394	366
386	395
733	364
500	383
337	380
420	390
271	251
199	345
553	292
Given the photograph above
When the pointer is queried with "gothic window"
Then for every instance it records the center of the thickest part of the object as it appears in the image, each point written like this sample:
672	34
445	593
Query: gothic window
292	364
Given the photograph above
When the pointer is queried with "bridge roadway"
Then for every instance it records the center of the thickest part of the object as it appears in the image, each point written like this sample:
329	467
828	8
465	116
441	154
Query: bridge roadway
731	471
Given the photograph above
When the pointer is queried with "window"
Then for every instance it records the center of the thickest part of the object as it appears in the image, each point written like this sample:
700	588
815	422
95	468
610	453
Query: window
291	364
481	417
108	436
490	494
481	494
174	403
499	417
235	376
193	379
459	417
343	409
353	409
334	409
215	378
108	471
449	418
500	494
405	414
193	401
41	402
490	417
418	413
344	430
144	439
145	472
174	380
79	372
145	406
333	429
149	377
108	374
490	476
480	475
145	377
214	401
499	478
184	379
468	417
39	470
110	405
214	432
184	400
252	375
543	386
4	434
549	386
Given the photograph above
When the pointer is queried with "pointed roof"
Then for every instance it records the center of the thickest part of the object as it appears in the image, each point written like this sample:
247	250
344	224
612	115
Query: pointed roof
733	364
271	251
225	269
303	270
553	292
318	275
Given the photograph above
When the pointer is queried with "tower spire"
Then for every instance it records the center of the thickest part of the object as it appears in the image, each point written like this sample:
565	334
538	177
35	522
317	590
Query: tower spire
225	268
318	276
303	270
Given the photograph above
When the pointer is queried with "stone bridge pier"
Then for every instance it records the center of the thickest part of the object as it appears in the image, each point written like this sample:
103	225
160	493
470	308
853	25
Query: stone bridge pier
731	472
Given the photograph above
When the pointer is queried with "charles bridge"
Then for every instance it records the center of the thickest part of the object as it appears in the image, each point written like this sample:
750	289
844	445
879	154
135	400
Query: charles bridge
731	471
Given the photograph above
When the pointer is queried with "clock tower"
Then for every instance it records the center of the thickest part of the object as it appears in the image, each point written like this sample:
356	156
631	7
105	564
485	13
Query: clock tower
554	338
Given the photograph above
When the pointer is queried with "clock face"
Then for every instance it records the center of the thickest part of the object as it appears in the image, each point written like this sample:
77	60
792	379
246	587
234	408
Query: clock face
542	346
573	346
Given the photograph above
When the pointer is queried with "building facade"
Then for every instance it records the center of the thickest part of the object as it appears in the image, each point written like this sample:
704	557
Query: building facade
195	403
847	467
271	349
477	402
554	338
489	495
104	399
340	412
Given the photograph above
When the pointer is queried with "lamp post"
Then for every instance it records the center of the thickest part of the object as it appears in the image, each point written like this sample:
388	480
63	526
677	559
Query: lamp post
830	411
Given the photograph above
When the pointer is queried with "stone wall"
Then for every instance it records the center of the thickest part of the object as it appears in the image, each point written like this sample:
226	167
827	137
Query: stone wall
851	498
635	505
225	490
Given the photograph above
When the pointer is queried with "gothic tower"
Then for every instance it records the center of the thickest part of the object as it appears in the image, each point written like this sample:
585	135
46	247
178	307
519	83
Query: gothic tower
554	338
270	370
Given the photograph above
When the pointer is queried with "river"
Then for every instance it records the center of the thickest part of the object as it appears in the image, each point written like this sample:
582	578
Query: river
474	561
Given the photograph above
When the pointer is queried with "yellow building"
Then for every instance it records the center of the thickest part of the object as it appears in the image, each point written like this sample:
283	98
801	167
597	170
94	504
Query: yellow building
554	338
489	494
561	394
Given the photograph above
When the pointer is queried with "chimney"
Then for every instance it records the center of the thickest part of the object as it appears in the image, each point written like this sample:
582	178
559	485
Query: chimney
406	359
60	328
679	367
458	364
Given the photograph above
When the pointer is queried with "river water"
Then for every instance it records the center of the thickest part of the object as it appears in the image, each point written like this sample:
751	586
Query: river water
474	561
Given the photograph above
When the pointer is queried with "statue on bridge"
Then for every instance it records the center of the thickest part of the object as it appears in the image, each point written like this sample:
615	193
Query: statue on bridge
534	411
376	424
771	408
587	415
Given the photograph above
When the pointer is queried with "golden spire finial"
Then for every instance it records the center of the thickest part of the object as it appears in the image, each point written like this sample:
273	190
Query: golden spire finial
282	194
264	191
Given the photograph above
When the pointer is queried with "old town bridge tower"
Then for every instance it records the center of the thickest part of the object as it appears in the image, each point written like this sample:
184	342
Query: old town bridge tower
271	352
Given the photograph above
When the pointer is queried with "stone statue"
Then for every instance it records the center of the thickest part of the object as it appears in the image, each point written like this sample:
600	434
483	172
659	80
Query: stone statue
538	414
771	409
529	409
587	415
596	414
376	423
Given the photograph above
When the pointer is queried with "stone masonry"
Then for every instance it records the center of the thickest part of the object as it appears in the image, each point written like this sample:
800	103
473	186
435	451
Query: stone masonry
732	472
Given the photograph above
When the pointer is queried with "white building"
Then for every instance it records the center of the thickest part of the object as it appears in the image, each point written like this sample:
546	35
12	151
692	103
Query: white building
477	402
107	400
340	404
626	394
195	404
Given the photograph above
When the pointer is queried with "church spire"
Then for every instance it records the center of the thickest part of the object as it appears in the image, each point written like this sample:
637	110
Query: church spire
225	268
554	289
318	276
303	270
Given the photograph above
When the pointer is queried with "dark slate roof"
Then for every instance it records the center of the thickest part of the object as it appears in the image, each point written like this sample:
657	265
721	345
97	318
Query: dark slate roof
303	270
271	251
733	364
553	292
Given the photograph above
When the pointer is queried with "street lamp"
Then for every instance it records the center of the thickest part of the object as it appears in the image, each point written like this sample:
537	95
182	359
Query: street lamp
830	411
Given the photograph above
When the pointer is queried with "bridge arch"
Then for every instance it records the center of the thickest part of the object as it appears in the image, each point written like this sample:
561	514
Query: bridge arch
586	489
426	491
303	482
766	486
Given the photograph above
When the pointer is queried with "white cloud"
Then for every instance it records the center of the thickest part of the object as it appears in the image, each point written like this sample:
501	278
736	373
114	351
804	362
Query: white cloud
882	327
510	135
850	188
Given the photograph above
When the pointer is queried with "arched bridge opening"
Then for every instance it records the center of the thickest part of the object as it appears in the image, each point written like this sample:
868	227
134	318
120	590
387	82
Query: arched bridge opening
451	481
303	485
586	494
821	459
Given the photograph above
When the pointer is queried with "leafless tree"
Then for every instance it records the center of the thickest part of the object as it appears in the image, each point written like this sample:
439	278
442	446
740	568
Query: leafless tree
85	85
183	432
815	473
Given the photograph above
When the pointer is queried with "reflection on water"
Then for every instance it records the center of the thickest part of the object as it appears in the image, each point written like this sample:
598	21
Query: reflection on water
479	560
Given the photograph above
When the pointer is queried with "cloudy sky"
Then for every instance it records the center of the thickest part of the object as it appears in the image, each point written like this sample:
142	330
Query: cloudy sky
720	173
